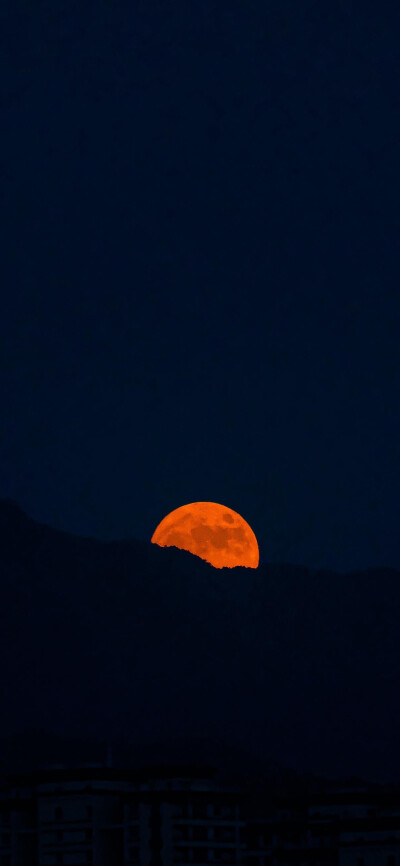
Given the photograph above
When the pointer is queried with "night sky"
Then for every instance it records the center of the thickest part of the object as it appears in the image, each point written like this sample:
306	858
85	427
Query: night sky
200	269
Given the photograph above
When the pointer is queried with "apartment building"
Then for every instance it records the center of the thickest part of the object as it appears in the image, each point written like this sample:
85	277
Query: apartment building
108	817
162	817
348	827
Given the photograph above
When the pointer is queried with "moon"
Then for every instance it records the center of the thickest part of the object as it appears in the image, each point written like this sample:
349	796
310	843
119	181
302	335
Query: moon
211	531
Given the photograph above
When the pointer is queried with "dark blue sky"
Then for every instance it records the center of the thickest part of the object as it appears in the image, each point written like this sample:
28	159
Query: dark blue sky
200	258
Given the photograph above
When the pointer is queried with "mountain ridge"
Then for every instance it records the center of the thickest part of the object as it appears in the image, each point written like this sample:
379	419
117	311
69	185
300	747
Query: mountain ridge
124	639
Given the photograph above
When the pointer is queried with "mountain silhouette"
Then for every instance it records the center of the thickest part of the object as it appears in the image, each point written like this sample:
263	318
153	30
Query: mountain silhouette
127	641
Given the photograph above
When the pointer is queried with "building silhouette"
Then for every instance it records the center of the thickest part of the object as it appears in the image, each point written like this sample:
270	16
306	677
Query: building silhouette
160	817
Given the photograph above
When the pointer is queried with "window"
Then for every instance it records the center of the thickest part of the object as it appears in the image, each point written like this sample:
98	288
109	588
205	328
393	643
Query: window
223	855
225	834
58	813
200	854
200	810
180	855
89	811
200	833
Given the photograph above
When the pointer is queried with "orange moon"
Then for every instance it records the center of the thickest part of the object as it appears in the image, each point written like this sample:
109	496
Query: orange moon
212	531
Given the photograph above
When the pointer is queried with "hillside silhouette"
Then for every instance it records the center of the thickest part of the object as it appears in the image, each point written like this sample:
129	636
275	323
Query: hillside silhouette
124	640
